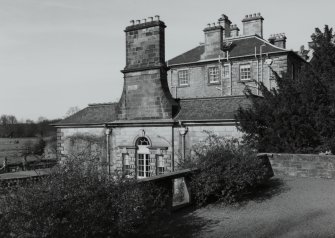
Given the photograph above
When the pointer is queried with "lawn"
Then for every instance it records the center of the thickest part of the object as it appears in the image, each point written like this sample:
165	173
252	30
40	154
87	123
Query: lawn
286	207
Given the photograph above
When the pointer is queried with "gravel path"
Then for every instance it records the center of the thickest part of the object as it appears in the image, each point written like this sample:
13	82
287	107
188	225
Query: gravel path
288	207
297	207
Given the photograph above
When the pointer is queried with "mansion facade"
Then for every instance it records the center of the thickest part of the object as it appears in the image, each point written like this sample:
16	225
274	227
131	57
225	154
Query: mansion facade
166	107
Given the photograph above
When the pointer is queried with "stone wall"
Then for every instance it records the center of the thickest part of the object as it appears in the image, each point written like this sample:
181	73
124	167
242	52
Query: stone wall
146	96
145	92
64	145
123	142
303	165
145	45
196	134
165	141
199	85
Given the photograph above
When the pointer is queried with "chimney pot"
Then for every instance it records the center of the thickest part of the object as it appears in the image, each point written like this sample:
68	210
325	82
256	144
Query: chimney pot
151	18
259	14
132	22
157	17
138	21
208	25
254	14
144	20
246	16
250	15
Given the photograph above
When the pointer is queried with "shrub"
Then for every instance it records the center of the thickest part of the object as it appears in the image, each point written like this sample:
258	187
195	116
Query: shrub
227	170
79	200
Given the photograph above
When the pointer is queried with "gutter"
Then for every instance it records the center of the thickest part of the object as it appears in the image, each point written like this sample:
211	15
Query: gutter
76	125
235	57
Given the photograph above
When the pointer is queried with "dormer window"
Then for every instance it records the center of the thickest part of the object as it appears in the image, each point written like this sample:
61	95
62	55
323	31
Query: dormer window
213	74
183	78
245	72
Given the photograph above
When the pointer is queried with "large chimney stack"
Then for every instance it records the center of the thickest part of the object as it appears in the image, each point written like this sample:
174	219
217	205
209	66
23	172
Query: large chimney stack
213	41
278	40
225	23
234	31
145	91
214	35
253	25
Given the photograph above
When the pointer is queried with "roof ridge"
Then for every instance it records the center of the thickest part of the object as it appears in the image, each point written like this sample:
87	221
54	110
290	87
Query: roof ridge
101	104
210	98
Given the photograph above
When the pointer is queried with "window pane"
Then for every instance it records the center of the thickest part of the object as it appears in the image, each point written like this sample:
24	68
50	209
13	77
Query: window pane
213	74
183	77
245	72
226	73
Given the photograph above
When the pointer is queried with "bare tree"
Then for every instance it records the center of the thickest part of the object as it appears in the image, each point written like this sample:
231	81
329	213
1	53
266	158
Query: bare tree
71	111
8	123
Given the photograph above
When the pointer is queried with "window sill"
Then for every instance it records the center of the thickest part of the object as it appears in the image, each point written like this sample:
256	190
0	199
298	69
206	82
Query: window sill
216	83
246	81
183	86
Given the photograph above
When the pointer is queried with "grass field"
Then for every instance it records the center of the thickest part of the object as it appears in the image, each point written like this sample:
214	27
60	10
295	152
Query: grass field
12	148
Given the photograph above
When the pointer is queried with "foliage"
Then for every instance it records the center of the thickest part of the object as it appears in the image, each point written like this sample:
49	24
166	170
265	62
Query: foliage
82	144
71	111
79	200
10	127
323	62
227	170
31	148
298	116
7	123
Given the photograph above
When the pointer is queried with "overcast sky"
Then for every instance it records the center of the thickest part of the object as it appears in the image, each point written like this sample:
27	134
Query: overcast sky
56	54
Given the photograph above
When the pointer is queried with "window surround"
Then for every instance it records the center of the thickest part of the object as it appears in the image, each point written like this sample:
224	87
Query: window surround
126	164
160	164
226	71
246	74
183	77
213	72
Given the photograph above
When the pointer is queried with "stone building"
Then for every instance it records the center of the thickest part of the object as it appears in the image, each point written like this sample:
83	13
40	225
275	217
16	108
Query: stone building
165	109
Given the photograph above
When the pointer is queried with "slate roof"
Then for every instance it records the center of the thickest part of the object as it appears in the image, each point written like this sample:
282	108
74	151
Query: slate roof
93	114
211	108
241	46
192	109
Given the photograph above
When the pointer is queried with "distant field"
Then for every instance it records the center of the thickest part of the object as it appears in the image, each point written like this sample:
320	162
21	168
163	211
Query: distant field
12	148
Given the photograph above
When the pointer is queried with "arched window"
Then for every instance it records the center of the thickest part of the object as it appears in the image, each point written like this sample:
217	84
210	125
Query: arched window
143	158
142	141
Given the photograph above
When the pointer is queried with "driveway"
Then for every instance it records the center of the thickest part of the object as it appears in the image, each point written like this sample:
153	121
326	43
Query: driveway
286	207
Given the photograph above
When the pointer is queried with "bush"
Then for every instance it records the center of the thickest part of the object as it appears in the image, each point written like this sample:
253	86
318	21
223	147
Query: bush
227	170
79	200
